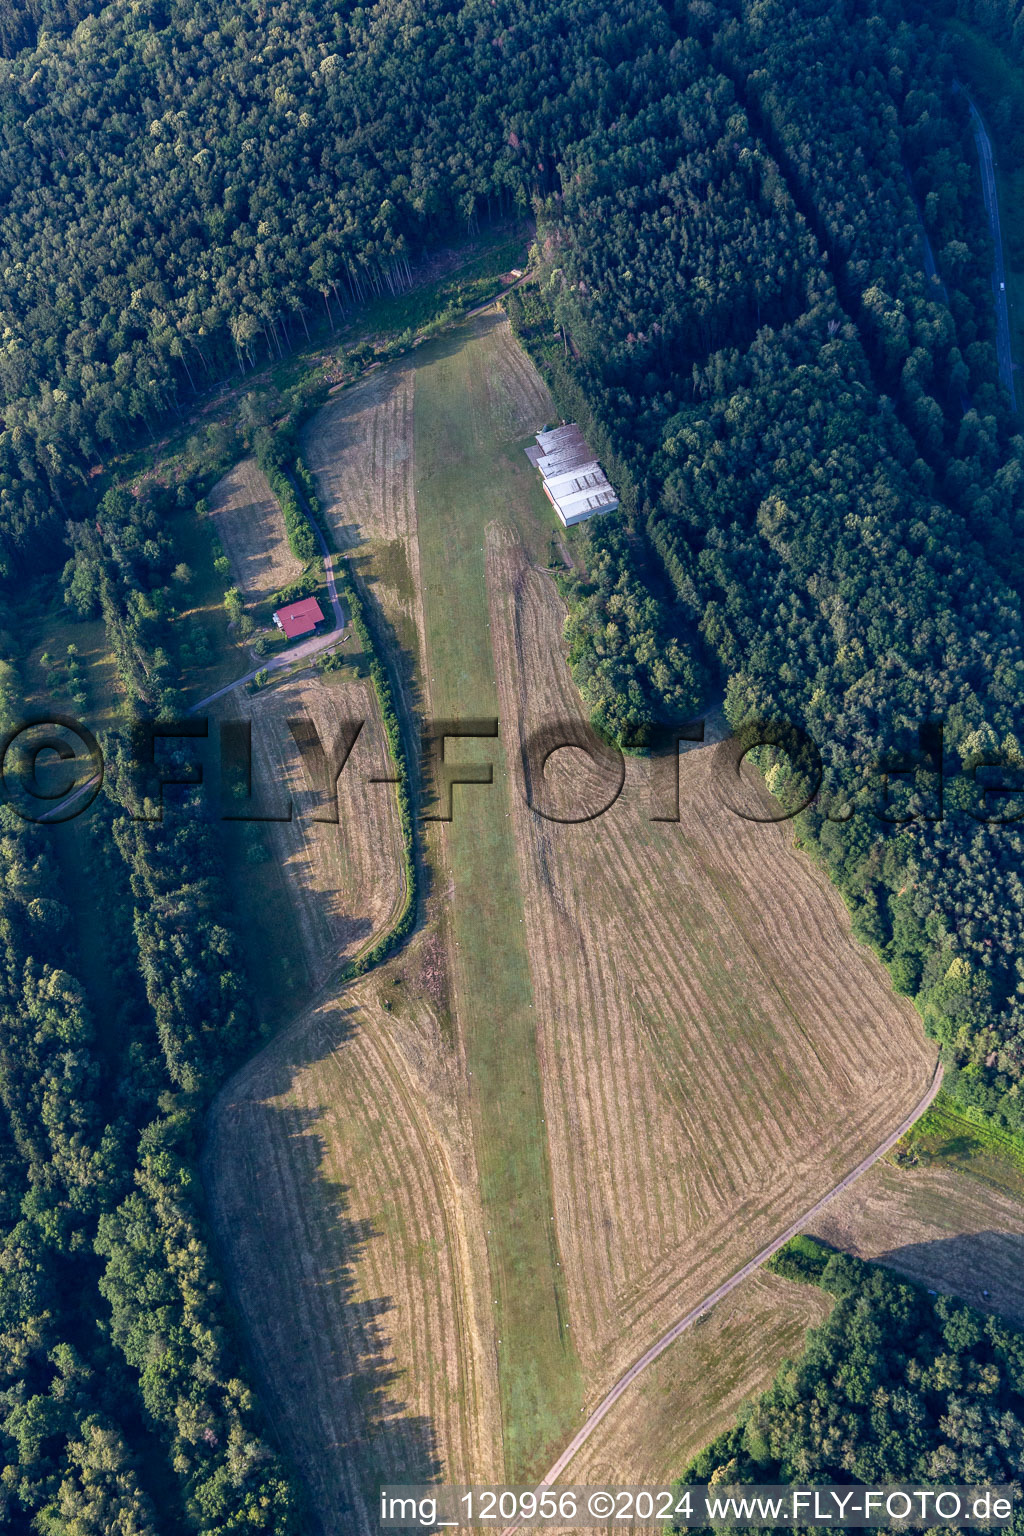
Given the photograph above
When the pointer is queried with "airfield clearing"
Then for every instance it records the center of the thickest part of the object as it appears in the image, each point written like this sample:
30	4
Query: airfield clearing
665	1041
398	459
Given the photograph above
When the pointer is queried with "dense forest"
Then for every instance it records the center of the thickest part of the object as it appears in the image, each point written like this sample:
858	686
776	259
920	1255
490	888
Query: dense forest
897	1386
123	1404
764	289
819	461
23	22
1000	20
182	191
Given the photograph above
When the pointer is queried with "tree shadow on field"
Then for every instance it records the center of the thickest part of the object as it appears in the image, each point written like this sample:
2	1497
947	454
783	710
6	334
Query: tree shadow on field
985	1269
450	343
294	1255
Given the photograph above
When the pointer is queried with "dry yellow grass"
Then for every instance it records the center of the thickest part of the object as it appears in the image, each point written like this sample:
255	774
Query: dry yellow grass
344	881
716	1049
360	448
945	1229
248	521
342	1186
695	1390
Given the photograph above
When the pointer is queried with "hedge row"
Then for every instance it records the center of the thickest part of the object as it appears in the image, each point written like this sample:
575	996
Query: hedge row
403	926
301	538
303	586
273	452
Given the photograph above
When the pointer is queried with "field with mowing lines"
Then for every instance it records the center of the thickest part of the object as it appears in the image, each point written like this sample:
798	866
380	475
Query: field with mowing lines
661	1036
344	1180
474	407
695	1390
943	1228
716	1049
360	448
343	879
248	521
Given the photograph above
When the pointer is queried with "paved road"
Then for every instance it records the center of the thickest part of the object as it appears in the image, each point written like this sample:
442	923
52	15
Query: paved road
988	186
624	1382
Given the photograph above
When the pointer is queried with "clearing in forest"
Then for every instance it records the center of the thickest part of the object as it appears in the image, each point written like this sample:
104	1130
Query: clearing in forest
247	519
949	1230
644	1046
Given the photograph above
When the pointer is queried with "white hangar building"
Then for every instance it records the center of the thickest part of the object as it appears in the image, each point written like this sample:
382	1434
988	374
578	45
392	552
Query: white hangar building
574	481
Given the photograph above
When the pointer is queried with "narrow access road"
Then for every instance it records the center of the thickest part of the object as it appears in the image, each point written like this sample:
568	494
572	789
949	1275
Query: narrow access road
608	1402
69	799
1004	351
306	649
490	303
931	271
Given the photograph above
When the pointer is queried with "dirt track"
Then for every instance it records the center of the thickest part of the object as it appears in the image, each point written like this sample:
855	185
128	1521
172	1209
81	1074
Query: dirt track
723	1290
713	1046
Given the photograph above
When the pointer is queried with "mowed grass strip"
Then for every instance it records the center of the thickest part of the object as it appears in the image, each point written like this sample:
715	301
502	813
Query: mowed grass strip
718	1051
469	469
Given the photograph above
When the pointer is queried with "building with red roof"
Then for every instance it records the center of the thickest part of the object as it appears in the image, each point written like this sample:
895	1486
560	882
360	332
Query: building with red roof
300	618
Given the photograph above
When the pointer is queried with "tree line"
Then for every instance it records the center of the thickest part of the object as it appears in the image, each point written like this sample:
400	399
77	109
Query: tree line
897	1386
822	467
124	1406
